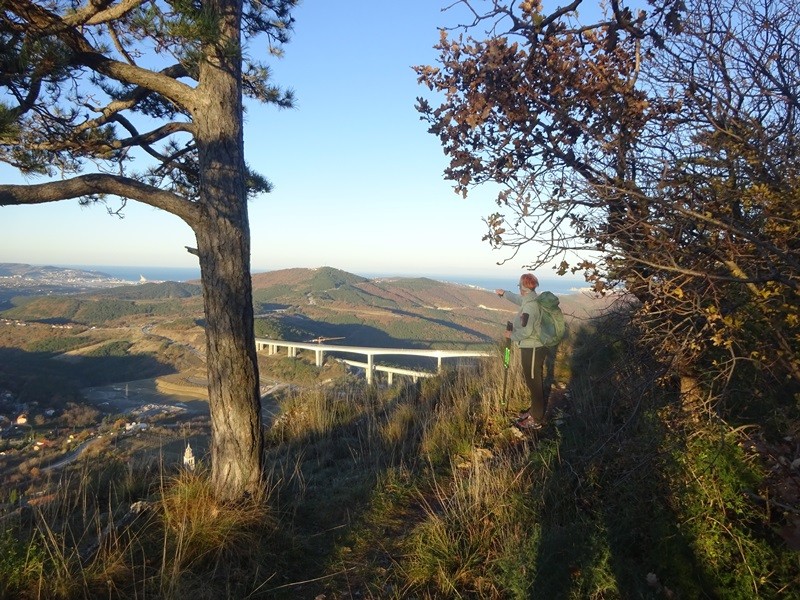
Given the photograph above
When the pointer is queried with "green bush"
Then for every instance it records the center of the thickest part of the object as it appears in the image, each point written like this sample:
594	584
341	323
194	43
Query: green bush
20	562
732	541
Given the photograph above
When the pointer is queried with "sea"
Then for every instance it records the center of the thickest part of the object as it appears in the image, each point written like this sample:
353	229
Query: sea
135	274
557	285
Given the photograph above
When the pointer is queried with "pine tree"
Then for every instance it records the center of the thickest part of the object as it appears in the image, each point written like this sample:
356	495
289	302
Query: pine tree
83	101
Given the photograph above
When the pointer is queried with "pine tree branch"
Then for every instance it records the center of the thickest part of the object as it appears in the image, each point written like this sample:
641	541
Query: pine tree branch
49	23
96	13
98	185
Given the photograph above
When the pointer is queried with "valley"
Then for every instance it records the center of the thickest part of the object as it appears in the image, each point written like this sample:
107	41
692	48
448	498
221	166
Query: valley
78	365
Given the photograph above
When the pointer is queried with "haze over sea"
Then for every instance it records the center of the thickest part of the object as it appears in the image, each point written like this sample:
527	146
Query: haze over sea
555	284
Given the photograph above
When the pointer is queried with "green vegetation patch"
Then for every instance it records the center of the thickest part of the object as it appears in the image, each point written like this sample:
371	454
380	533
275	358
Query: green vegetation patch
45	307
327	278
278	328
348	294
19	563
104	311
287	368
57	345
153	291
116	348
89	311
737	550
268	295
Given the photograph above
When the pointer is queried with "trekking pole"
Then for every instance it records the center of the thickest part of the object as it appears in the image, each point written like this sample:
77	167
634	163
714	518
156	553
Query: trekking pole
506	361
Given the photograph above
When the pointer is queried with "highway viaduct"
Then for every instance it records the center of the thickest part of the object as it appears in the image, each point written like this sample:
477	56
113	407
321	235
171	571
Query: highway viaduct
370	366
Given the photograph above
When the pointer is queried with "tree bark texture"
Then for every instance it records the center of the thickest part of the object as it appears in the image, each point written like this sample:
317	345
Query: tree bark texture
223	246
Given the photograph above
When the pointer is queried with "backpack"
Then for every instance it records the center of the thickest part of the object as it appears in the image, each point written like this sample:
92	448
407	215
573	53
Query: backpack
552	327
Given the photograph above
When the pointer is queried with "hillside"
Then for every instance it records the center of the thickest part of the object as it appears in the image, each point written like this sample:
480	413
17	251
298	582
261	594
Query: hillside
417	489
300	305
102	335
410	491
108	335
305	303
107	306
19	280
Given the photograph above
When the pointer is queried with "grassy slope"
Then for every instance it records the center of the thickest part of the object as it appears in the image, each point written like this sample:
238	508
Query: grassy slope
386	312
424	491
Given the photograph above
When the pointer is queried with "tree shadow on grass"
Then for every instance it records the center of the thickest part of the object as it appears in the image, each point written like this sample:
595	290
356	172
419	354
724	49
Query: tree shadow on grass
605	520
43	376
328	480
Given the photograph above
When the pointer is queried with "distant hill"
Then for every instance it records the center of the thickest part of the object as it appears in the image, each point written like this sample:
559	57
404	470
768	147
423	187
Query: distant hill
23	271
18	280
322	278
302	304
305	304
91	309
60	295
152	291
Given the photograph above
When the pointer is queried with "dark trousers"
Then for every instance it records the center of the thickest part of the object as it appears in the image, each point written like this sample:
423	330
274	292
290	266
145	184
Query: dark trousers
533	360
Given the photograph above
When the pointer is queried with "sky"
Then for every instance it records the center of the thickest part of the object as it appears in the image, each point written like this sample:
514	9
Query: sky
358	181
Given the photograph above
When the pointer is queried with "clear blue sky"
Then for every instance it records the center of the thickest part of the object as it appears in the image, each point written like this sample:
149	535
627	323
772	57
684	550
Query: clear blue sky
358	180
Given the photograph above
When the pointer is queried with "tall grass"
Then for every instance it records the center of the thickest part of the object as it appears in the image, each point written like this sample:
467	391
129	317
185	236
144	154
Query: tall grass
477	535
202	536
71	550
90	539
425	490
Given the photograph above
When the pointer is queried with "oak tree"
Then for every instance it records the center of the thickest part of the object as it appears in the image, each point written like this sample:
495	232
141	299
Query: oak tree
654	148
143	100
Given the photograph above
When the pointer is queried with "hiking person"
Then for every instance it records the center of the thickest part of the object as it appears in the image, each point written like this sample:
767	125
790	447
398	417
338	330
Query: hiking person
525	331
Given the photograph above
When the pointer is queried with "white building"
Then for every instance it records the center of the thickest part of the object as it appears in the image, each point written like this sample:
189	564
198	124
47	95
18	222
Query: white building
188	458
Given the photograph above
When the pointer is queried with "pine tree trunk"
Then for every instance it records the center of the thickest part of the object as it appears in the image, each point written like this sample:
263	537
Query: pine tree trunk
223	245
233	390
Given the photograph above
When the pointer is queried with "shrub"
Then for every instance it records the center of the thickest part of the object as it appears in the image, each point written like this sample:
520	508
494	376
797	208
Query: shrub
59	344
19	563
79	415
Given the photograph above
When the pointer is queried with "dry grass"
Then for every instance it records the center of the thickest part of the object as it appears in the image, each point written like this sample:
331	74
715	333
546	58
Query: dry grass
425	491
202	535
